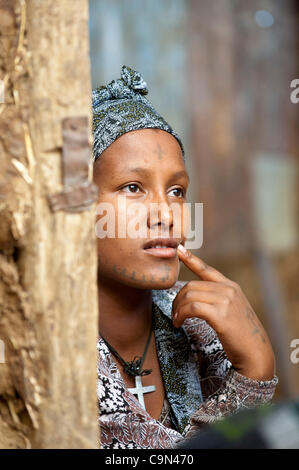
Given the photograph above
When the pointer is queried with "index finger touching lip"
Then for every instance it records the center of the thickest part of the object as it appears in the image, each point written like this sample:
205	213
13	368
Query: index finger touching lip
199	267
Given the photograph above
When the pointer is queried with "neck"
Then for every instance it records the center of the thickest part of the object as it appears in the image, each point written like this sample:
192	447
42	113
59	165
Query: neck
125	313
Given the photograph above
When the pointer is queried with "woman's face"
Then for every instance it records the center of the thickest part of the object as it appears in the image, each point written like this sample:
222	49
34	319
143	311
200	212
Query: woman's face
144	167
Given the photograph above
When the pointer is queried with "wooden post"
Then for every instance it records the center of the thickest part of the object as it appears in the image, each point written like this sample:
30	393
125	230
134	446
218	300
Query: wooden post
48	265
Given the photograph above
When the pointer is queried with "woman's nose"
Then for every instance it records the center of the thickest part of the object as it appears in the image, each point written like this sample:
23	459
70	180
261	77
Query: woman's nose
160	214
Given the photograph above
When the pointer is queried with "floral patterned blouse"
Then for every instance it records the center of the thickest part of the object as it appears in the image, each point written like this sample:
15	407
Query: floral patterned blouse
200	383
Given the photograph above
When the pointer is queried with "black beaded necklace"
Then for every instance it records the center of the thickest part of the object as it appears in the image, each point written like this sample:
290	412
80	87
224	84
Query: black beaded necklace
133	368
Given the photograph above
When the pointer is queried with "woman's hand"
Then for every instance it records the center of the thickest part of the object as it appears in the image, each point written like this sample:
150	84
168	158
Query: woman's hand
222	304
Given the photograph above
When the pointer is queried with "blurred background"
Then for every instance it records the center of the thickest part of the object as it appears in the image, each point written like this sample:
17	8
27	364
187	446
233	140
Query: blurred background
220	73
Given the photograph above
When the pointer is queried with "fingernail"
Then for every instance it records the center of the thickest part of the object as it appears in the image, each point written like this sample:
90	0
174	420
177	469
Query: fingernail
182	249
175	316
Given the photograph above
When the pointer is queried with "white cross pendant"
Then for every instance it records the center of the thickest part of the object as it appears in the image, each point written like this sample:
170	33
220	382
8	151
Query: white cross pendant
139	390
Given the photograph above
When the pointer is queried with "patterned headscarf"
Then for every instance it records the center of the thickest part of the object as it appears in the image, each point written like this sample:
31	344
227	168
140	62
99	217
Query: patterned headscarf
121	107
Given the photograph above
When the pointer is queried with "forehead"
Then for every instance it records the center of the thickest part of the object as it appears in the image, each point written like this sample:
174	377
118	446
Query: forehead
152	149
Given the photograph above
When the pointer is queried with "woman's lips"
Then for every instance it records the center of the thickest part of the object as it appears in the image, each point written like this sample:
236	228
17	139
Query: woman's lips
162	247
166	252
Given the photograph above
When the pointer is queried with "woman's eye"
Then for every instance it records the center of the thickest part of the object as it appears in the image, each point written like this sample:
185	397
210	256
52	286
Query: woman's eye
130	188
180	192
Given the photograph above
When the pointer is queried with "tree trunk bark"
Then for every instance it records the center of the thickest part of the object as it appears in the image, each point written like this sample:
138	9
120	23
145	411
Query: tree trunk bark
48	265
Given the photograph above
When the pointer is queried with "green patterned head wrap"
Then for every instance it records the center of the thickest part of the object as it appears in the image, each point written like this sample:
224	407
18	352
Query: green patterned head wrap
121	107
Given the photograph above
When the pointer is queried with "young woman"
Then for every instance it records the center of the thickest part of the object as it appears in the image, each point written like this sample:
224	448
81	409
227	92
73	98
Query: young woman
173	355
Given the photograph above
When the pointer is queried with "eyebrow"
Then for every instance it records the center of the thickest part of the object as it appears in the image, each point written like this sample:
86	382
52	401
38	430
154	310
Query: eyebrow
145	172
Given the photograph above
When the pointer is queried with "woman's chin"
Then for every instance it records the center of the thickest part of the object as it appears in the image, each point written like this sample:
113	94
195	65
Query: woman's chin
156	277
161	283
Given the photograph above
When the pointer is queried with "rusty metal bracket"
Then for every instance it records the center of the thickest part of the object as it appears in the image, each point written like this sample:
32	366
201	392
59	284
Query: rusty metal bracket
78	192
